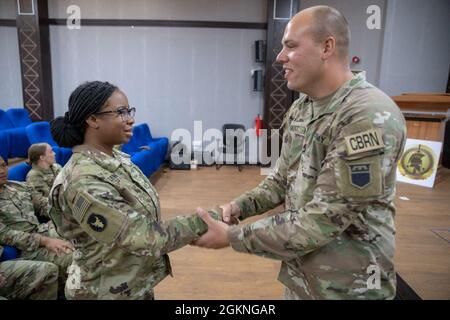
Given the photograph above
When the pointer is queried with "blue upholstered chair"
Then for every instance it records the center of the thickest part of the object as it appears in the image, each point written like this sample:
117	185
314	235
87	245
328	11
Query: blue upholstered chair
19	172
9	253
4	145
19	117
146	152
18	139
162	143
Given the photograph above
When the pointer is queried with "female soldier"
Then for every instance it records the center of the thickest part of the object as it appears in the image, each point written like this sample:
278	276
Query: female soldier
106	206
44	168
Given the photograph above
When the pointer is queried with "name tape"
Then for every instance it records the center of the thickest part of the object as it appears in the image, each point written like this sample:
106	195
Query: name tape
364	141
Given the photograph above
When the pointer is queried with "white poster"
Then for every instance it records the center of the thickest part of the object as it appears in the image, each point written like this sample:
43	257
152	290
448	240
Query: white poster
419	162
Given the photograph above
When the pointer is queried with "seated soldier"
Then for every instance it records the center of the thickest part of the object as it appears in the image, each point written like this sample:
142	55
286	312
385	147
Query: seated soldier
17	213
44	168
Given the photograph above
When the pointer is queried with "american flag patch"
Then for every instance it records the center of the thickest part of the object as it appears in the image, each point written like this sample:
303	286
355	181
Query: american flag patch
80	207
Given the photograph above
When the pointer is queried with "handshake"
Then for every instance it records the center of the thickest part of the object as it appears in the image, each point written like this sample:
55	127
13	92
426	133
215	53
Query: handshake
217	235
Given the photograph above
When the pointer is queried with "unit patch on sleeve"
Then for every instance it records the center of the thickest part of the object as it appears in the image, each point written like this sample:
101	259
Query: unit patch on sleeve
97	222
360	175
360	178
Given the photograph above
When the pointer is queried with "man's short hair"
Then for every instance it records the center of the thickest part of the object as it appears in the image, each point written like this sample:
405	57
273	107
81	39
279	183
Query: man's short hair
328	21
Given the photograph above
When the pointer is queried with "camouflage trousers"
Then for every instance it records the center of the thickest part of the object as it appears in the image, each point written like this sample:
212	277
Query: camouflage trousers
62	262
290	295
149	295
35	280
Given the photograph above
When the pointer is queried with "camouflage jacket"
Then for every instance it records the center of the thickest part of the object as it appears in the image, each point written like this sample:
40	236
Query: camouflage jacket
110	212
336	176
19	205
41	180
21	240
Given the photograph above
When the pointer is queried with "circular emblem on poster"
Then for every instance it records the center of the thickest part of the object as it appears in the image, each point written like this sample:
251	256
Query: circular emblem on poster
417	162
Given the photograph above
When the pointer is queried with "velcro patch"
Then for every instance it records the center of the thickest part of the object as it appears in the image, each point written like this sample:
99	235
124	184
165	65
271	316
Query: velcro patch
360	178
80	207
364	141
97	222
360	175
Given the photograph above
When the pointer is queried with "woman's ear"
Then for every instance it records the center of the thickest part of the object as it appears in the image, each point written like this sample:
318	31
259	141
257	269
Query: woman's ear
92	122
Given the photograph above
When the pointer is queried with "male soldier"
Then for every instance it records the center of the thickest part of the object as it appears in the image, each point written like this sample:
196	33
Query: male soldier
17	213
336	174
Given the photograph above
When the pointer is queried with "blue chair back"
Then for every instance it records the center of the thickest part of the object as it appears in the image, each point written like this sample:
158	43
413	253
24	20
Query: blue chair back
143	131
19	117
5	122
62	154
40	132
19	172
136	141
4	145
18	140
9	253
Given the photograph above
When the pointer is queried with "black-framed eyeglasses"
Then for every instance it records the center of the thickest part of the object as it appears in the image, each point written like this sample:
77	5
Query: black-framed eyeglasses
124	112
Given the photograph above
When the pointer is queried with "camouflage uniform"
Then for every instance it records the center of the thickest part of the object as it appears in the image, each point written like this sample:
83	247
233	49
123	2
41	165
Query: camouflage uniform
41	180
336	176
27	242
26	279
111	213
17	213
35	280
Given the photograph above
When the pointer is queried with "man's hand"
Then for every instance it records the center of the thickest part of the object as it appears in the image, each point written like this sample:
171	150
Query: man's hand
230	213
57	246
216	237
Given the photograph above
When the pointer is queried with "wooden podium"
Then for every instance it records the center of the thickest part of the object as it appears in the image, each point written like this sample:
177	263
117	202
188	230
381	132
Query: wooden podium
426	115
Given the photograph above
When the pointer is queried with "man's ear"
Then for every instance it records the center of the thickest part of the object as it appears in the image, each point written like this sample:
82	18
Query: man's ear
329	47
92	122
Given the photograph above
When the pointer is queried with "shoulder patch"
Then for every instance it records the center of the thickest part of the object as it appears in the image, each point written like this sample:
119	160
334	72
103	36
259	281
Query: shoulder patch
360	175
80	206
97	222
364	141
360	178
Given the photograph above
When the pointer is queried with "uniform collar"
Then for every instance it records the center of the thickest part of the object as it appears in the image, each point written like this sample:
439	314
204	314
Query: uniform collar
359	77
36	167
110	163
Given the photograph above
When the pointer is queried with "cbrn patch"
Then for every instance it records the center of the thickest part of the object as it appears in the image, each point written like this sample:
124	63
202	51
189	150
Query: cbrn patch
364	141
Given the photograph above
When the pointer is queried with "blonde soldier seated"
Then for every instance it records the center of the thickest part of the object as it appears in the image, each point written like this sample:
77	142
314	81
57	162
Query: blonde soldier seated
335	175
24	279
44	168
105	205
18	208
